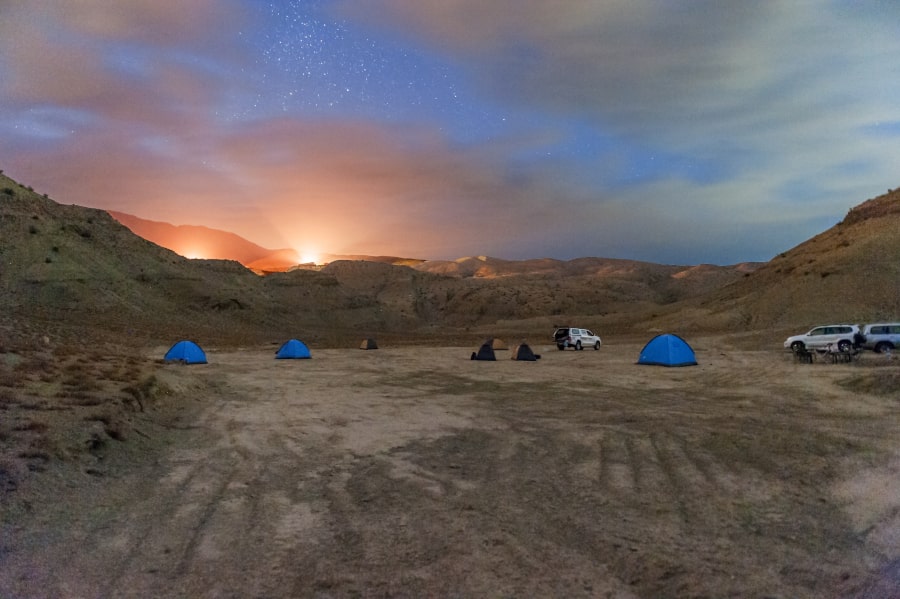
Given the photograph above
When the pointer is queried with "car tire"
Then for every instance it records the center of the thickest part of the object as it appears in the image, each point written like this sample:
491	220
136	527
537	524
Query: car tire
560	347
883	346
797	346
596	346
578	346
844	345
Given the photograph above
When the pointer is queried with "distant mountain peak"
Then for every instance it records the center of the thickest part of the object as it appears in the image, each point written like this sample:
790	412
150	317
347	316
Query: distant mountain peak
197	241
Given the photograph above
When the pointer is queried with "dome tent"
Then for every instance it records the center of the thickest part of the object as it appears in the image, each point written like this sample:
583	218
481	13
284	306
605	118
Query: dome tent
524	353
293	350
368	343
485	352
186	352
667	350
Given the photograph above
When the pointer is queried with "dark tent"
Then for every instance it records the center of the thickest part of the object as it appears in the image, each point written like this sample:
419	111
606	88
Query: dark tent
368	344
293	350
485	352
186	352
524	353
667	350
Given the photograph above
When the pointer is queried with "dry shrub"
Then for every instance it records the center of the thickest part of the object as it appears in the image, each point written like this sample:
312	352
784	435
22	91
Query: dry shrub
66	350
42	448
878	381
83	362
77	397
7	397
124	376
32	425
121	370
115	427
12	378
35	404
110	372
37	363
131	373
117	431
144	392
103	417
35	453
12	472
74	367
82	381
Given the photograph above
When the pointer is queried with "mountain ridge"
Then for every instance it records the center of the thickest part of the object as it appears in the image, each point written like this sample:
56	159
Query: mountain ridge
199	241
225	245
68	268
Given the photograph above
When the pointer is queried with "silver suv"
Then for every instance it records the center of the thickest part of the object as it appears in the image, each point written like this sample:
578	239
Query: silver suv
578	338
881	337
840	336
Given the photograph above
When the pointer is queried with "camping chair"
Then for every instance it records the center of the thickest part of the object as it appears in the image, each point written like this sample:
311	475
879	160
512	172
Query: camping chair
803	355
838	356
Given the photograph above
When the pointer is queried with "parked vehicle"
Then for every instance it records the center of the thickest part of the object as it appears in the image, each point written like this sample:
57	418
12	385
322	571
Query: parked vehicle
578	338
881	337
840	336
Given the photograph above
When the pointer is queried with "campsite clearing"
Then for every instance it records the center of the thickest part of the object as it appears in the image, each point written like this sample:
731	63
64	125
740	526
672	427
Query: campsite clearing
419	472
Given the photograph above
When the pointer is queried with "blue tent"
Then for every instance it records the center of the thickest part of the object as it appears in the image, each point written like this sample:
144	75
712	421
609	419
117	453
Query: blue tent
293	349
668	350
186	352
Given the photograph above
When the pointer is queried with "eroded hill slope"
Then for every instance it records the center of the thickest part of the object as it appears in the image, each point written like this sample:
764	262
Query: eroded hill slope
847	274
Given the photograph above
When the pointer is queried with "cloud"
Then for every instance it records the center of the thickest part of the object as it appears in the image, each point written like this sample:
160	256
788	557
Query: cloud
130	125
762	95
683	74
642	65
167	22
344	186
668	131
90	54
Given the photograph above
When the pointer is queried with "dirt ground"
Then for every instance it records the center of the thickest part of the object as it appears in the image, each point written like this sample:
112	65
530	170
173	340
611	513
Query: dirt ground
414	472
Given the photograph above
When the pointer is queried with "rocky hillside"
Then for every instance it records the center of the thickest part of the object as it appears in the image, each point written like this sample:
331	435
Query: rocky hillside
847	274
75	271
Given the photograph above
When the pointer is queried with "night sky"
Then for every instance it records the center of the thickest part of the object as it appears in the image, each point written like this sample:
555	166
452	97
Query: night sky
662	130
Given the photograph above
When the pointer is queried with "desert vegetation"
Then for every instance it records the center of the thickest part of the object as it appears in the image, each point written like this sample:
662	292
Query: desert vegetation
66	403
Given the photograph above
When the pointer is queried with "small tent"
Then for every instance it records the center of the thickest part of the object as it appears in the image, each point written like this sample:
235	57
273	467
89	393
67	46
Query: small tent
186	352
667	350
293	350
524	353
485	352
368	344
499	344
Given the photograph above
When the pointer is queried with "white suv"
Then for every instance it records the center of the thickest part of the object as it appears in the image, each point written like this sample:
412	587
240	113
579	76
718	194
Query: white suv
840	336
881	337
578	338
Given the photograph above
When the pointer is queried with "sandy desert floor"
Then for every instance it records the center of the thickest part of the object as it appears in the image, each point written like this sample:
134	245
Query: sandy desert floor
415	472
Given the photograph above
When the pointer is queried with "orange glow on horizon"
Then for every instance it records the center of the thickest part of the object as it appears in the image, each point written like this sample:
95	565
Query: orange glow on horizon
308	251
193	254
